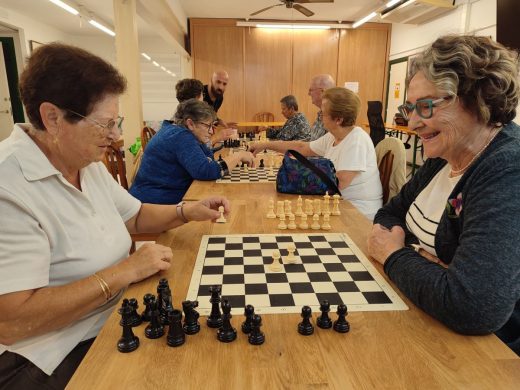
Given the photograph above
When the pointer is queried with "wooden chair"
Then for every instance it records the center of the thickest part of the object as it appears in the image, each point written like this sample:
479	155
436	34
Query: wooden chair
146	135
264	117
391	161
115	163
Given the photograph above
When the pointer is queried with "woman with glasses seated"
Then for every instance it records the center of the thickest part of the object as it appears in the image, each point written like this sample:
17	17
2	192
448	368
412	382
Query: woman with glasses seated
178	154
65	222
449	239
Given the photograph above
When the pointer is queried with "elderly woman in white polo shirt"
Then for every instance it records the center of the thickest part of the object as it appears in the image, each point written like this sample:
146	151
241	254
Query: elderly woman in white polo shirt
64	235
349	148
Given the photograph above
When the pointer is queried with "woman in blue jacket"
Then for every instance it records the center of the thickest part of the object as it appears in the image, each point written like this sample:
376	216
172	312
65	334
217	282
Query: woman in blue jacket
178	154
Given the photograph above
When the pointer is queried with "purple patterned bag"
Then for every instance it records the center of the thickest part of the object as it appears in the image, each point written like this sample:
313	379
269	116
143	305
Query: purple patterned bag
306	176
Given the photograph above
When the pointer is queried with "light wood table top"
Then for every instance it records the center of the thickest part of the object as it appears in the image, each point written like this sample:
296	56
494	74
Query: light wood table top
400	349
266	124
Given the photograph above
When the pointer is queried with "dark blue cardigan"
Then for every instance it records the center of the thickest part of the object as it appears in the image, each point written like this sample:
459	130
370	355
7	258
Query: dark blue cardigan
172	160
479	292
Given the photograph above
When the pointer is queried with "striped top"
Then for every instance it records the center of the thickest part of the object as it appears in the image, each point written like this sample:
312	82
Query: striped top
424	214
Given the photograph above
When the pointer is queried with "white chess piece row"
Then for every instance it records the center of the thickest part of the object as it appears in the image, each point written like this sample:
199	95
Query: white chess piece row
311	208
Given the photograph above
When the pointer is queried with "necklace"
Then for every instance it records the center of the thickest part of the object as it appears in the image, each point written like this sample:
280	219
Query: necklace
491	138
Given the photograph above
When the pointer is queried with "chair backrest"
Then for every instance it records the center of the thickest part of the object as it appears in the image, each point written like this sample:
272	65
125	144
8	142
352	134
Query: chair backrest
146	135
391	161
264	117
375	121
115	163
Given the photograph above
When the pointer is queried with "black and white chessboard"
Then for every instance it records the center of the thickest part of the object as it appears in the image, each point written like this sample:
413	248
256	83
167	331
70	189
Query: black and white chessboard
252	175
329	266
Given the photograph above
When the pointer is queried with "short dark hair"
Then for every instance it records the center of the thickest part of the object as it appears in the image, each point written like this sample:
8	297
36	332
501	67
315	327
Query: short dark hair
188	89
195	110
69	77
290	102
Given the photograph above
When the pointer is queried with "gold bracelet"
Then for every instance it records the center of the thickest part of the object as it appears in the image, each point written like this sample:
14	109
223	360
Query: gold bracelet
104	286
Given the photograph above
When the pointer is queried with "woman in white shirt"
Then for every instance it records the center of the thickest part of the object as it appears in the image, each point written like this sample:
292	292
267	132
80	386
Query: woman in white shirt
348	147
64	235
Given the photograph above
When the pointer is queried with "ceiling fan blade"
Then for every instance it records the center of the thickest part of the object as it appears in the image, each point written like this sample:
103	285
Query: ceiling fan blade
264	9
303	10
313	1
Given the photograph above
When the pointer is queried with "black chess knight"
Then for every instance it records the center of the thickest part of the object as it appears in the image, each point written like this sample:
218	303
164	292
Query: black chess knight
191	317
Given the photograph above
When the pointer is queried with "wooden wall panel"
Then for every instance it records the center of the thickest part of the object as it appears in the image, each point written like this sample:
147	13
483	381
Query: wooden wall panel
363	57
217	44
314	52
268	70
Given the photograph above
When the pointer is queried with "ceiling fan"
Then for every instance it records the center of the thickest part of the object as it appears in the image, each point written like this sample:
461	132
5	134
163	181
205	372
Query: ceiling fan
296	5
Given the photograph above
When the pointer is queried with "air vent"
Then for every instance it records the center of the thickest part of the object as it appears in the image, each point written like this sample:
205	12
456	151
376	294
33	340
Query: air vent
418	11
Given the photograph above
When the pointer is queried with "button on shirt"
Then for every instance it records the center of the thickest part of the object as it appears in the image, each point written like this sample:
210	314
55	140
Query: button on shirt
53	234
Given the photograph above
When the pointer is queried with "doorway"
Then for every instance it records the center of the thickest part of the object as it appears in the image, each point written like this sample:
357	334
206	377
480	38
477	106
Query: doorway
6	117
11	68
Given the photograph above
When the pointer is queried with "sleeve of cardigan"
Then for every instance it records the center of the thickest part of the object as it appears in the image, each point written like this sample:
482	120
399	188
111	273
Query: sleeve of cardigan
477	293
195	161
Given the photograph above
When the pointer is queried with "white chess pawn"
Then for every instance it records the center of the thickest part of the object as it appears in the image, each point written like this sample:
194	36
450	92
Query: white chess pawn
326	225
299	204
303	223
221	219
291	259
246	168
282	224
270	213
292	224
315	222
275	265
288	207
326	209
279	209
308	207
317	206
335	206
326	197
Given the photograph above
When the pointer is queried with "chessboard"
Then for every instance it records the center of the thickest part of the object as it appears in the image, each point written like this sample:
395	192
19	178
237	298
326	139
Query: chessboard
251	175
329	266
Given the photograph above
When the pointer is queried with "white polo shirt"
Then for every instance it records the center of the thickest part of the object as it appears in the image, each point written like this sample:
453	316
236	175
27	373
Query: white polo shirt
355	153
52	234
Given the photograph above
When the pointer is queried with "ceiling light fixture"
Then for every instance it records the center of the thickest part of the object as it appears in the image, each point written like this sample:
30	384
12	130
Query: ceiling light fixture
294	26
364	20
102	28
146	56
66	7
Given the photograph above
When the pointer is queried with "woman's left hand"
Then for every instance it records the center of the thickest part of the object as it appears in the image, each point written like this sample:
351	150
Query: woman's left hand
206	209
383	242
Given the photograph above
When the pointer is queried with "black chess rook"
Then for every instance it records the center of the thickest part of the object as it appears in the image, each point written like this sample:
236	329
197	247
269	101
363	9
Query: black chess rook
176	336
215	317
305	327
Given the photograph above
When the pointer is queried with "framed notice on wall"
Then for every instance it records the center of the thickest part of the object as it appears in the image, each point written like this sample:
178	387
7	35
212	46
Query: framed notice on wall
34	44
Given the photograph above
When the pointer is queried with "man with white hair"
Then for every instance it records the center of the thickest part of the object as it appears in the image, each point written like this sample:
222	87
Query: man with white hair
318	85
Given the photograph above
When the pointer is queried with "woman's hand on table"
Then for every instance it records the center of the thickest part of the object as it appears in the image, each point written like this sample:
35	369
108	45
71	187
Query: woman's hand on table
206	209
382	242
257	147
149	259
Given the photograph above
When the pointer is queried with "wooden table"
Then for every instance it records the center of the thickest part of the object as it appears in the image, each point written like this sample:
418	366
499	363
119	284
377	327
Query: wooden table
259	124
400	349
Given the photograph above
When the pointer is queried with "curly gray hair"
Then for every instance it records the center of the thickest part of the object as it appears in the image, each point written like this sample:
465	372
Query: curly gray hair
482	73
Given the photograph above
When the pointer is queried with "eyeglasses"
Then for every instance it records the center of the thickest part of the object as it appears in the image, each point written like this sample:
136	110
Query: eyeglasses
108	127
423	107
315	89
209	126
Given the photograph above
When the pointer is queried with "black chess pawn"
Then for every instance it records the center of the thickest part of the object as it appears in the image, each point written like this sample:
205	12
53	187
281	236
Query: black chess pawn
135	319
305	327
147	313
256	337
154	330
215	317
220	158
226	333
261	163
191	317
324	320
166	306
128	341
176	336
341	325
249	311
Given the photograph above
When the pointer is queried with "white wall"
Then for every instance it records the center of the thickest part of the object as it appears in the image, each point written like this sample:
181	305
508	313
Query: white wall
476	16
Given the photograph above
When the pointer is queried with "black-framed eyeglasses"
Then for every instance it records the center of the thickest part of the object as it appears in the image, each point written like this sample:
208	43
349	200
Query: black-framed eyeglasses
209	126
108	127
423	107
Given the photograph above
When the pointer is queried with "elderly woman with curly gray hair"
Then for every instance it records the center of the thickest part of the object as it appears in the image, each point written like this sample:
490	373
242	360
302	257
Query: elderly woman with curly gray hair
449	239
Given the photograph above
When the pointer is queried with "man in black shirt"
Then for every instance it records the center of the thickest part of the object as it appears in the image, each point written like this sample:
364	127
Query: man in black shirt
213	94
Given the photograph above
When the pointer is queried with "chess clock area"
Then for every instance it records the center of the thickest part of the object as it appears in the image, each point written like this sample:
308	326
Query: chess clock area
393	348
